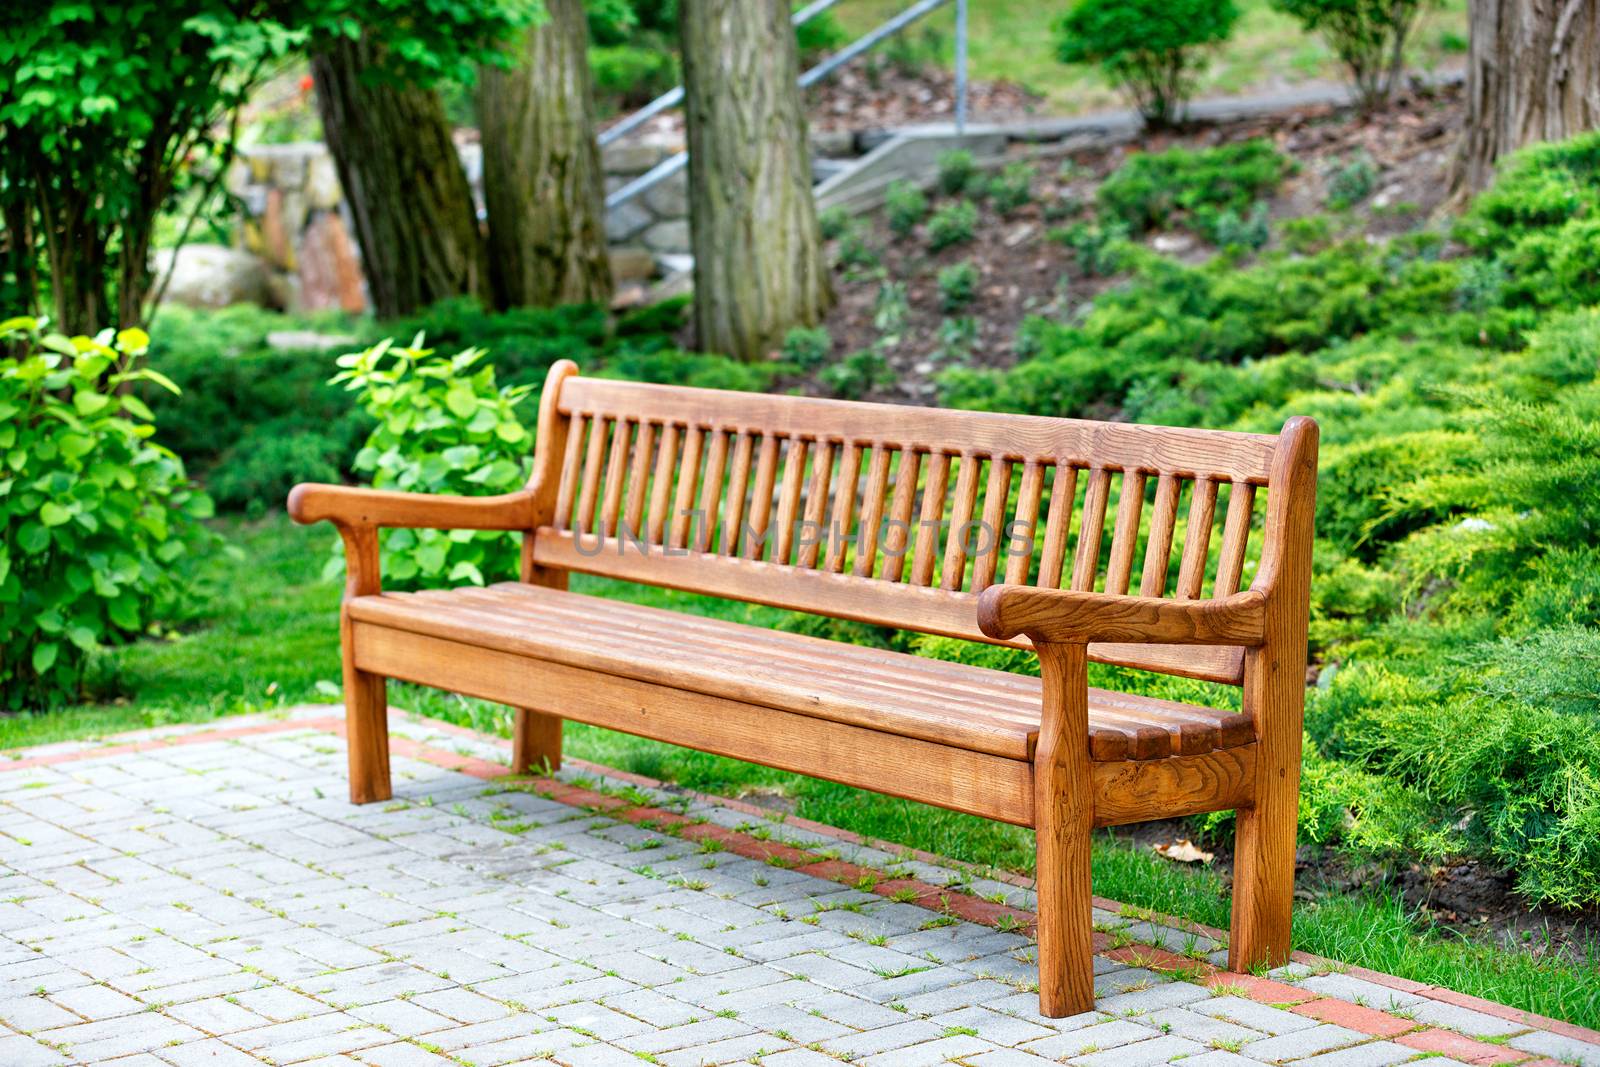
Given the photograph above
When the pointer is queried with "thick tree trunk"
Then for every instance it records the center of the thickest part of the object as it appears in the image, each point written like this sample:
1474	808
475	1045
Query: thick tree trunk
542	179
402	178
1533	74
758	262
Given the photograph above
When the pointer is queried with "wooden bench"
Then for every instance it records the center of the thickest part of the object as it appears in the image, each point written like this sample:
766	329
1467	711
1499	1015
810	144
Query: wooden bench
724	494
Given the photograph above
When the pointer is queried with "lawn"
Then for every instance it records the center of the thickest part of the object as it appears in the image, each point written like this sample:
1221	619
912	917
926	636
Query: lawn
264	636
1013	40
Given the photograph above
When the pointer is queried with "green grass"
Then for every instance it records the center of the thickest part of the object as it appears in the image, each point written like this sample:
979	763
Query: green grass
1014	40
265	637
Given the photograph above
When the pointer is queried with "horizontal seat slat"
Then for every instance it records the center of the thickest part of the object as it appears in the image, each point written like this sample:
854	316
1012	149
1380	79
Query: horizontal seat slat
946	703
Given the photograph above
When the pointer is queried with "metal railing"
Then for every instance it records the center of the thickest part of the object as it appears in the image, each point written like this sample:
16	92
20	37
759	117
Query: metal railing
672	98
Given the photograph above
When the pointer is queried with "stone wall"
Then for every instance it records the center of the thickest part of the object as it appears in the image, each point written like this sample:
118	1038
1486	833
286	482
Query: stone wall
294	218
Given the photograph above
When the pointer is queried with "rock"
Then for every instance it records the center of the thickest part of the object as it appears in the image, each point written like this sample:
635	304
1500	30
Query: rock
631	265
212	276
303	340
322	183
669	236
629	156
1171	244
330	270
669	198
626	221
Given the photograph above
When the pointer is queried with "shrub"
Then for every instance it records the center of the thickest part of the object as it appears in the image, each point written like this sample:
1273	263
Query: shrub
1158	189
443	426
958	285
807	348
1153	48
94	512
1352	181
833	222
1250	232
952	224
1012	187
957	171
1098	246
630	74
957	338
905	205
1368	36
1307	234
858	374
854	251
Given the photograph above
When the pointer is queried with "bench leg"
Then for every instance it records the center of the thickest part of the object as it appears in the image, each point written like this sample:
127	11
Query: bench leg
366	722
536	744
1063	821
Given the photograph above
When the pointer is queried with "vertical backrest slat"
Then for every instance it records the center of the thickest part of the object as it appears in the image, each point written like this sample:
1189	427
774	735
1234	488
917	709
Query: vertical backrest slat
955	543
933	495
1024	523
738	486
616	469
844	506
1158	550
570	463
589	496
897	542
991	536
1086	565
816	504
1125	535
639	479
1235	538
661	484
761	497
711	490
794	473
872	503
1063	492
1197	539
688	483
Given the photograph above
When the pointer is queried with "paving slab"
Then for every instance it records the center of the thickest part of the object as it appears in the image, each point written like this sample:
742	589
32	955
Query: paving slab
206	896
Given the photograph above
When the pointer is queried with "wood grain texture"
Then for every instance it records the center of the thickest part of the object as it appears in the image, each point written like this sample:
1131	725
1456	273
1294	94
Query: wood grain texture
1063	818
1005	611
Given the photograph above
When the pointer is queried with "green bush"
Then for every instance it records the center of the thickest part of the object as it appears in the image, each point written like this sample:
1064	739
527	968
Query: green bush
958	285
93	512
905	206
443	426
1352	181
858	374
833	222
1368	36
631	75
1012	187
1191	187
1154	49
958	170
1250	232
1098	247
807	348
855	252
952	224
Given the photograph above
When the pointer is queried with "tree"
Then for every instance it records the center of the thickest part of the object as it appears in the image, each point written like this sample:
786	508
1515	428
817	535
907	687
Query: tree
543	182
1368	36
758	262
113	114
1153	48
402	178
1533	74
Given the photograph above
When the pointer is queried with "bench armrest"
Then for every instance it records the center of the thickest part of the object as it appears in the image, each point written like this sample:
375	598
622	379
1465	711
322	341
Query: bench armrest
345	505
1061	616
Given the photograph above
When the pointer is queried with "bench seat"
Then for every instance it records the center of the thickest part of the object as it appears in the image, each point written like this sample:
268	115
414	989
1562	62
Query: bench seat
953	704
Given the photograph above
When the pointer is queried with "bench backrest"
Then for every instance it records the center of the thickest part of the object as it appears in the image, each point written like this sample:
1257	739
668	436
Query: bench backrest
753	496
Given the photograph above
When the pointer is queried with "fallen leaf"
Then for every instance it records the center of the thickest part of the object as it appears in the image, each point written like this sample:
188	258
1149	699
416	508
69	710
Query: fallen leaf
1184	851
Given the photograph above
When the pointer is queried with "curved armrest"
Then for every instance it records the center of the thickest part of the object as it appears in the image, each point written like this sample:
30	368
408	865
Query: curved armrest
345	505
1063	616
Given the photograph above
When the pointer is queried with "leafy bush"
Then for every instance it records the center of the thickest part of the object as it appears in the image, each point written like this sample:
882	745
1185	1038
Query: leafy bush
952	224
1250	232
1153	48
904	205
957	171
1192	187
807	348
958	285
1012	187
1099	247
858	374
1368	36
443	426
833	222
1352	181
631	75
854	251
94	511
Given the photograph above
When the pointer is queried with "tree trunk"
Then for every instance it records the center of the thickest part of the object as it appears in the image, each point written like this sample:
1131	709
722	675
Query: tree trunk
542	179
758	262
402	178
1533	74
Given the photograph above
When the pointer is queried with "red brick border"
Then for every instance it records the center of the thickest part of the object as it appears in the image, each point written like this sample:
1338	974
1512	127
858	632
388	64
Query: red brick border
942	899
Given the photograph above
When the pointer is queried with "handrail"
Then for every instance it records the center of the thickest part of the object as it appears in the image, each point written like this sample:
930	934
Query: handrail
888	28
